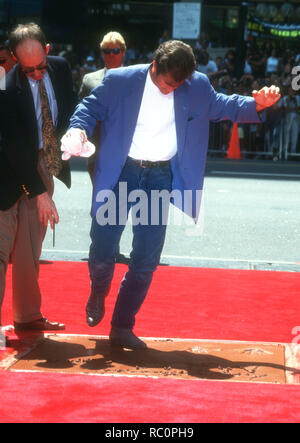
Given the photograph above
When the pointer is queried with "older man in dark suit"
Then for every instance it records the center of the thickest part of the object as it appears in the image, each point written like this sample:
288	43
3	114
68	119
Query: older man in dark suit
38	101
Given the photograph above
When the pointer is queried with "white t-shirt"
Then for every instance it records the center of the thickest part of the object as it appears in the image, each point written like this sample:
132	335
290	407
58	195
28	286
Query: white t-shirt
155	136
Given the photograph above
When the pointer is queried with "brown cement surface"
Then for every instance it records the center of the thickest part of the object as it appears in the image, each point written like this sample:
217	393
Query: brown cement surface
171	358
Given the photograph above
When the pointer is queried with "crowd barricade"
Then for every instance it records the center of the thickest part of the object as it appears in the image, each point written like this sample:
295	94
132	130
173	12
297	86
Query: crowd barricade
257	140
286	153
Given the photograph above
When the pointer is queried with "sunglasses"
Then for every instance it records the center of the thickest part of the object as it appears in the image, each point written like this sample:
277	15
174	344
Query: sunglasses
114	51
31	70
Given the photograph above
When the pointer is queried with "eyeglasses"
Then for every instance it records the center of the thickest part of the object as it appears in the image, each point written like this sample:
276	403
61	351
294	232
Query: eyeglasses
114	51
31	70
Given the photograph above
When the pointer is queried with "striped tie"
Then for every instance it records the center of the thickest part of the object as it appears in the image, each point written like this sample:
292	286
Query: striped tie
52	155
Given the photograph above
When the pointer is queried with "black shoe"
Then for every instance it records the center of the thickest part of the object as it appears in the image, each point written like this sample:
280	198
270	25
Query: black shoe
121	258
95	310
42	324
125	338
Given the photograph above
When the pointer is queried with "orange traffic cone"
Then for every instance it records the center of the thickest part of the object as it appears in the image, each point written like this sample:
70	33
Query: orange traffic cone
234	150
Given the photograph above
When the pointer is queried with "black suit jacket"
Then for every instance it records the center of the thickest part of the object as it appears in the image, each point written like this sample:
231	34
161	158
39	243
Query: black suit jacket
19	132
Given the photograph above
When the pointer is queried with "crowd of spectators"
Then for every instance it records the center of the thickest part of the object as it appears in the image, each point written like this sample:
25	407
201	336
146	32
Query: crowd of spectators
264	66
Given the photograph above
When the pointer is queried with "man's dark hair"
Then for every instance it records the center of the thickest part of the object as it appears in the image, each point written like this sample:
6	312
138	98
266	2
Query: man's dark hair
24	32
176	58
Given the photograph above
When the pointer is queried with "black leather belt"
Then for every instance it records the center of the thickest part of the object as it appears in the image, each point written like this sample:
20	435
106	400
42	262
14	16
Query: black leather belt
148	164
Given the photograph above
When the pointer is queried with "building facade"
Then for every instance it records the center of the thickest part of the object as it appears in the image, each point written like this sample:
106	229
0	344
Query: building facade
143	22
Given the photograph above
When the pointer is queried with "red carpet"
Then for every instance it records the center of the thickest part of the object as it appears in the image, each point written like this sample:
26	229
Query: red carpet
183	302
77	398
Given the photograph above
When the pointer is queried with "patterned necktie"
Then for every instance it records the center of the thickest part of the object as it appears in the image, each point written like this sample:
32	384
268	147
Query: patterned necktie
52	155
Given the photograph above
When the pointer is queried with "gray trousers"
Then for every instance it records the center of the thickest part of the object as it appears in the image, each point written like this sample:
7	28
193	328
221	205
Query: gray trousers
22	235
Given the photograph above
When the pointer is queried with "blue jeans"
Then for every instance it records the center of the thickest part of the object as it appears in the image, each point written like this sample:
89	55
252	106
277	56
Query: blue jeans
147	245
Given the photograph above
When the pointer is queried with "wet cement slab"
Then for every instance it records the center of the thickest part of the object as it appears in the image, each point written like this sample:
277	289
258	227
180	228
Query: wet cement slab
164	358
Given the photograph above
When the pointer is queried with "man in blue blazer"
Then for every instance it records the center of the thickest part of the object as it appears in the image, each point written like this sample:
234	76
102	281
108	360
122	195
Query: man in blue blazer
155	126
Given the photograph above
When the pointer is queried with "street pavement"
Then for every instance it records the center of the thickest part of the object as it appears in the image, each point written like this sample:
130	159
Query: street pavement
250	219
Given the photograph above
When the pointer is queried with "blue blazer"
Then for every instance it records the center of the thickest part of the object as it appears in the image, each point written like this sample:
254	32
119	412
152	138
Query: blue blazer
116	102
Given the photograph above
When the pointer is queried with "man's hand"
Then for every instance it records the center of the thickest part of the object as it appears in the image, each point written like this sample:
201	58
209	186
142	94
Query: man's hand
47	210
266	97
75	142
